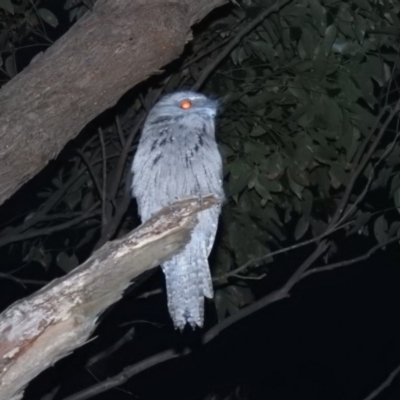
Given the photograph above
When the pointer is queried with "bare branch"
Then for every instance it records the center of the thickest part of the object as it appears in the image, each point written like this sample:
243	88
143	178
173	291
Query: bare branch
236	40
39	330
254	261
127	337
22	282
104	215
91	171
384	384
354	260
170	354
126	374
50	229
359	168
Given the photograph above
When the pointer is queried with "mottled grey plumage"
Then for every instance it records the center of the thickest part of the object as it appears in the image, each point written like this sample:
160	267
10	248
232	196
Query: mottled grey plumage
178	157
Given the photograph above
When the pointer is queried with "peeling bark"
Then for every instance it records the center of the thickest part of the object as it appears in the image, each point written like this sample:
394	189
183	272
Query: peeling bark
37	331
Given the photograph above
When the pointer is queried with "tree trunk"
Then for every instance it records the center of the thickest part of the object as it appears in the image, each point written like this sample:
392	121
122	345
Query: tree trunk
117	45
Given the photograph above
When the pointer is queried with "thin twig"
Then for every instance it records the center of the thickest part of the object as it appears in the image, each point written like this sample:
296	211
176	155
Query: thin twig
343	203
127	337
249	278
280	251
354	260
145	295
371	175
236	40
23	282
126	374
48	205
117	174
384	384
119	131
50	229
104	216
89	166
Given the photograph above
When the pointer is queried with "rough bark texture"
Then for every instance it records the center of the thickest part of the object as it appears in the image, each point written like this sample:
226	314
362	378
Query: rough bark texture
108	51
39	330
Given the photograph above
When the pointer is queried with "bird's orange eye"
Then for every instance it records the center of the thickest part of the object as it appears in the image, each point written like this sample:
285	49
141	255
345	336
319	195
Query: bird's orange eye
185	104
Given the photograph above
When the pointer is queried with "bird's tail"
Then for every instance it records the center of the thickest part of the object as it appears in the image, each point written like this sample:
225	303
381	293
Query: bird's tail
188	281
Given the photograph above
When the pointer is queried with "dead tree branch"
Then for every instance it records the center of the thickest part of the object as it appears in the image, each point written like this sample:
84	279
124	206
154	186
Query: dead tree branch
37	331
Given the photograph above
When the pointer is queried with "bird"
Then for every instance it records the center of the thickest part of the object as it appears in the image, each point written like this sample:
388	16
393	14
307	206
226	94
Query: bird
178	157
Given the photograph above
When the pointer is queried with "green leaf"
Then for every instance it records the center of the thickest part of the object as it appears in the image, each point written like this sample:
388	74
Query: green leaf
258	131
325	154
276	113
318	227
239	177
7	6
337	172
308	40
87	237
225	150
395	184
10	65
346	28
71	3
394	157
262	191
274	230
394	229
256	150
301	227
375	68
360	222
329	39
344	13
72	199
274	166
240	295
345	46
294	186
381	229
67	263
360	27
321	178
301	177
242	55
39	255
48	17
264	185
362	117
270	213
318	13
308	200
382	179
263	50
333	115
223	304
303	157
243	242
367	89
363	4
321	66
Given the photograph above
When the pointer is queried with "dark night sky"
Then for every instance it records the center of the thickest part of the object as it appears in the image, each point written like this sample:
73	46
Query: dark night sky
335	338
